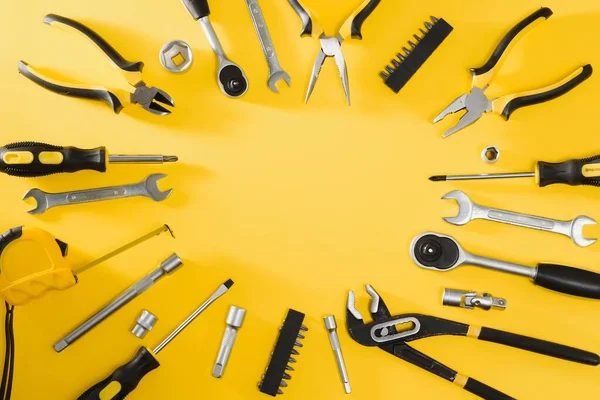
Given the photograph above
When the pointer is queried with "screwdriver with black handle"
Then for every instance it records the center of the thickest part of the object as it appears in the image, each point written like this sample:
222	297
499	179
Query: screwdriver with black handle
33	159
585	171
126	378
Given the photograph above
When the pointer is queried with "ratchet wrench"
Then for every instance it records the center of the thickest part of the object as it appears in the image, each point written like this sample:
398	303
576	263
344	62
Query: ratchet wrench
468	211
439	252
276	73
147	188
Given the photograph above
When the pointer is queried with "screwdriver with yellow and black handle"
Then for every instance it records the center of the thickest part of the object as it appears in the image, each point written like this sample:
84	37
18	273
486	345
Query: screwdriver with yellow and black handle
33	159
585	171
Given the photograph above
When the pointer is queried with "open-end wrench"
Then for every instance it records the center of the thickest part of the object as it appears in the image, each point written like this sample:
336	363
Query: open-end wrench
276	73
468	211
147	188
443	253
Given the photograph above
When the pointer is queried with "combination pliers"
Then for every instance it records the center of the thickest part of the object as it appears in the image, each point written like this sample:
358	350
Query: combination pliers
392	334
331	46
147	97
476	102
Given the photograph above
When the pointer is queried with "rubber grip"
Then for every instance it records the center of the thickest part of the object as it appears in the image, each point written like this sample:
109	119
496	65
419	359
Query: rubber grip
569	280
197	8
102	95
128	377
510	36
570	172
10	236
538	98
360	18
74	160
539	346
484	391
106	48
307	24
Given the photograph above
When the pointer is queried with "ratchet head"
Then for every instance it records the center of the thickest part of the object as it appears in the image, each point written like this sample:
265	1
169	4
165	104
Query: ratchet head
151	98
151	185
465	208
276	77
41	198
436	252
232	80
577	231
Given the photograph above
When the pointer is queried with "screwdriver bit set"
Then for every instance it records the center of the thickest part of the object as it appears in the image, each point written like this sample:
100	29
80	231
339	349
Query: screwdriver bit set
413	56
429	251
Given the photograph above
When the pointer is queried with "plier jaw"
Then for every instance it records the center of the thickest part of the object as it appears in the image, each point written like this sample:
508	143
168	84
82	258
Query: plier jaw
331	47
475	103
151	98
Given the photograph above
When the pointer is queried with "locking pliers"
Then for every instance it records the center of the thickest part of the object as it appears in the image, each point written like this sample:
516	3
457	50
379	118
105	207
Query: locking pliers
147	97
392	334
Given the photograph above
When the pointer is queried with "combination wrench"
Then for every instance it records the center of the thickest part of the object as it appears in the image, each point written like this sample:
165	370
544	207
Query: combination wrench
468	211
276	73
147	188
437	252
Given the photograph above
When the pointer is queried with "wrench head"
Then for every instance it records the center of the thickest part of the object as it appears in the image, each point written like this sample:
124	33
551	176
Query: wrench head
151	185
40	198
437	252
577	231
465	208
276	77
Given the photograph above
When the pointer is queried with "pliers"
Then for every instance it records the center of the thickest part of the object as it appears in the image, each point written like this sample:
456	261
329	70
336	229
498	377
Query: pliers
476	102
331	46
392	333
147	97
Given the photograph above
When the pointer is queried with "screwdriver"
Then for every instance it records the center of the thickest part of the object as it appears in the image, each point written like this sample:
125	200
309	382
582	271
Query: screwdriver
33	159
585	171
126	378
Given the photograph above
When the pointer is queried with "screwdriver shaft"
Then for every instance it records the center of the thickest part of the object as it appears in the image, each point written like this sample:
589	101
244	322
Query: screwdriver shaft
140	159
440	178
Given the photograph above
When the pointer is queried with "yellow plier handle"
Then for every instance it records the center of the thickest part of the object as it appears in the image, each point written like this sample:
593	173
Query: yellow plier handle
483	75
131	71
32	262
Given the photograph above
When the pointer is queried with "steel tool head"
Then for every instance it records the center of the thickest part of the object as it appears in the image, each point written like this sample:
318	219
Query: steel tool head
276	77
476	103
437	252
151	185
315	74
577	231
465	208
41	198
150	97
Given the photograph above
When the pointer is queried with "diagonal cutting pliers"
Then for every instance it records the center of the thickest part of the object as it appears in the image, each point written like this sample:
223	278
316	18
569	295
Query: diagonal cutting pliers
331	46
477	103
392	334
147	97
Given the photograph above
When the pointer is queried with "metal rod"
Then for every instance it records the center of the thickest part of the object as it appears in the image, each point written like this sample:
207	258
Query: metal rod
218	293
168	266
140	159
490	176
212	38
502	266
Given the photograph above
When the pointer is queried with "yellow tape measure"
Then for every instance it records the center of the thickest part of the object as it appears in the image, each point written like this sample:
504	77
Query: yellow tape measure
33	262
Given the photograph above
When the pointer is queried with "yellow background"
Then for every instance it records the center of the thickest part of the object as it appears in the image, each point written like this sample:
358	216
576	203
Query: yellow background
298	204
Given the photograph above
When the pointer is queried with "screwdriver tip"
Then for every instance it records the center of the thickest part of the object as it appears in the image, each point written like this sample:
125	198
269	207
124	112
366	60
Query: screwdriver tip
60	346
170	159
438	178
229	283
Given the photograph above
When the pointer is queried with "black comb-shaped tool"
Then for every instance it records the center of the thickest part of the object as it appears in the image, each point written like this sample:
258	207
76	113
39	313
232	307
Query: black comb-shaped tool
411	58
276	374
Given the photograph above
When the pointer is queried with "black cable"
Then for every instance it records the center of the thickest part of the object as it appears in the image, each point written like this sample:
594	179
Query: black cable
9	359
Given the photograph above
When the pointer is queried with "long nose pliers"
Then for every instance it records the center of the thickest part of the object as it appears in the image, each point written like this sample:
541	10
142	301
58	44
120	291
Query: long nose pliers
392	334
331	46
477	103
147	97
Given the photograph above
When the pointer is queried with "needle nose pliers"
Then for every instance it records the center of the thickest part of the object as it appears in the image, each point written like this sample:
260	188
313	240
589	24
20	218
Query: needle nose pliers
476	102
331	46
392	334
147	97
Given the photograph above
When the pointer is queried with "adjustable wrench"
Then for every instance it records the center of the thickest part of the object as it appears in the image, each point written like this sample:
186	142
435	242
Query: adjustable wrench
276	73
468	211
147	188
